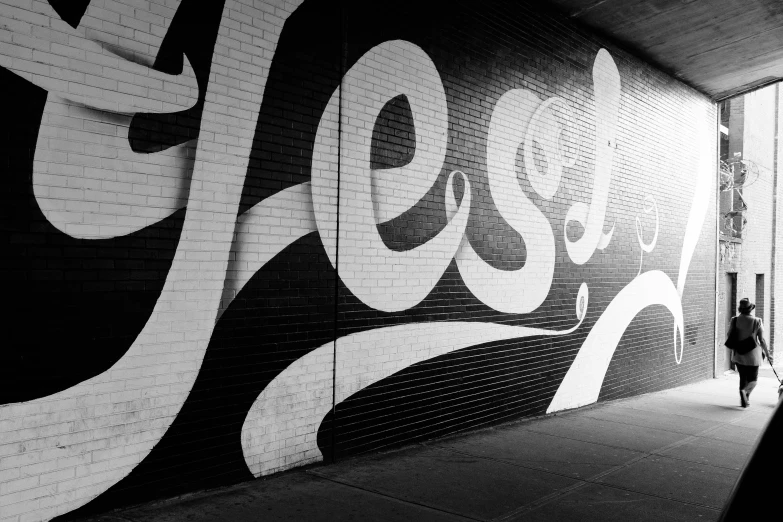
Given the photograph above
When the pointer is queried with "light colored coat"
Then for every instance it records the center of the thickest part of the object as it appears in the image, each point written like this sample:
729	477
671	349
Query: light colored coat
748	325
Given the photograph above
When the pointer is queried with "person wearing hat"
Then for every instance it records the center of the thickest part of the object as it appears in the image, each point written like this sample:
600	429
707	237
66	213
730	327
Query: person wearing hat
748	363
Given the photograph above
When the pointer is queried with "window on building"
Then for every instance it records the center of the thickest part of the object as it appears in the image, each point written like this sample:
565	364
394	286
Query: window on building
760	295
731	280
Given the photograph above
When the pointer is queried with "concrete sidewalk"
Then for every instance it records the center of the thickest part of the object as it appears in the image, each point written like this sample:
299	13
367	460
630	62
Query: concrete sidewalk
672	455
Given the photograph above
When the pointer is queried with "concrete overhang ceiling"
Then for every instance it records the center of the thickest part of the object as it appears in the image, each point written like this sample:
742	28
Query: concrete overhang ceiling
720	47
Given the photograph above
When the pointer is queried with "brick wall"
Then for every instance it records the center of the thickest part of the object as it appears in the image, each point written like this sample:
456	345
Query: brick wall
757	241
325	231
776	286
752	134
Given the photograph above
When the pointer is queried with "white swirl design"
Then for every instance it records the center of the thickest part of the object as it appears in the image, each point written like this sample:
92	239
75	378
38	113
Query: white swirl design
522	290
125	193
582	383
128	87
273	431
367	266
164	360
219	252
87	181
606	86
584	379
702	192
263	231
547	131
649	206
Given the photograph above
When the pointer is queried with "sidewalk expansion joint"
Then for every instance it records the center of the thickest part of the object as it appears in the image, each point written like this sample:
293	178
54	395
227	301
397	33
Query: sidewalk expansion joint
392	497
595	479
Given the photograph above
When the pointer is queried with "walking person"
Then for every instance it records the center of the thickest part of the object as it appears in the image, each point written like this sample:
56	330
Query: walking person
748	362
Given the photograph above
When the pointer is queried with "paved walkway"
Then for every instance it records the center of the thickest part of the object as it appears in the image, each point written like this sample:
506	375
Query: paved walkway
672	455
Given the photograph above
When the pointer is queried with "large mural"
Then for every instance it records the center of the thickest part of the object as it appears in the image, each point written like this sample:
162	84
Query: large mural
246	236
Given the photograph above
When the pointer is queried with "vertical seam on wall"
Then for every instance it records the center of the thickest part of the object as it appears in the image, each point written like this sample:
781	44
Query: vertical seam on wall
342	59
774	221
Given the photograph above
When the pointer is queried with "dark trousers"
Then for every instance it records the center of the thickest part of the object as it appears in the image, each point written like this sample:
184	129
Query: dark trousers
748	375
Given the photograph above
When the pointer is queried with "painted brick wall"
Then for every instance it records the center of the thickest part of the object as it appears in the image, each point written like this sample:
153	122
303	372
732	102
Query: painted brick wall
326	231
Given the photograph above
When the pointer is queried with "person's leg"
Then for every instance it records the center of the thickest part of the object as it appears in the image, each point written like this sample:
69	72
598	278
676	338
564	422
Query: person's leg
743	382
742	370
752	377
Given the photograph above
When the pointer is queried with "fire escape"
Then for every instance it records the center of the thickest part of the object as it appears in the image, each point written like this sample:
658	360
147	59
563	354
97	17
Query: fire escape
735	175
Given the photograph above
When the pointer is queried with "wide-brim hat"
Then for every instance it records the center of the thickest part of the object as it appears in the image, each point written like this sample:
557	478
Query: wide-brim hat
745	305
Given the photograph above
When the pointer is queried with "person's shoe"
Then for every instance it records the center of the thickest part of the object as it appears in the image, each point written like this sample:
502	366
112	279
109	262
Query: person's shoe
744	399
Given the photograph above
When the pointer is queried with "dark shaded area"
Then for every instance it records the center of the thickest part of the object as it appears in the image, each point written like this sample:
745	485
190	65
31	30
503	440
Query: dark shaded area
71	11
394	136
192	32
691	333
74	306
753	495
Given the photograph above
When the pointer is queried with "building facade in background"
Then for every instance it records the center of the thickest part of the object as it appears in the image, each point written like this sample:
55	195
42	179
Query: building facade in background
243	236
749	217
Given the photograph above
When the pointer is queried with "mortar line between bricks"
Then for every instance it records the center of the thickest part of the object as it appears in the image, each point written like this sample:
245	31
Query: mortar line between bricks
594	479
386	495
